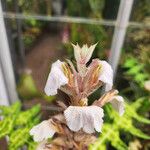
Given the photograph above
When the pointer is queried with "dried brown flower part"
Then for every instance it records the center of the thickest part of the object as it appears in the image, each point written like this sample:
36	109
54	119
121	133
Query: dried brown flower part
71	141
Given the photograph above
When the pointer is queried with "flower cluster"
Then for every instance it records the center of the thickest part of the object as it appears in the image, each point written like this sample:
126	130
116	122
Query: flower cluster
78	82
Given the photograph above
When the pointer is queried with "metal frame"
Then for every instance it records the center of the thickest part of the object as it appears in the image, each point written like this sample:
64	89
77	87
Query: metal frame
68	19
7	74
120	31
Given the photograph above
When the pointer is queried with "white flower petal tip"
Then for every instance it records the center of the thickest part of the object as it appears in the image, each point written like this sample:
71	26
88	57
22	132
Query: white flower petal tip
147	85
87	117
42	131
118	104
84	53
106	75
55	79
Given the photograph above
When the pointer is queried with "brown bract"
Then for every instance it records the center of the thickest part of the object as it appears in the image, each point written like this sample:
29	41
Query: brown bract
80	87
65	139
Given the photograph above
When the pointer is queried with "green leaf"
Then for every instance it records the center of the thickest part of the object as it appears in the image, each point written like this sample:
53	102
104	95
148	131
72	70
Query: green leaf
9	110
130	62
32	145
25	116
6	126
134	70
18	138
132	113
139	133
109	133
96	146
141	77
16	124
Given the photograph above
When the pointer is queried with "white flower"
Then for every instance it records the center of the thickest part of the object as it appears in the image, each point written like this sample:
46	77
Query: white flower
106	74
42	131
87	117
55	79
118	104
83	55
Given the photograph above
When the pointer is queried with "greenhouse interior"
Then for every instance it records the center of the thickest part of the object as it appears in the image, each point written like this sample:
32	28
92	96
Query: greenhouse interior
75	75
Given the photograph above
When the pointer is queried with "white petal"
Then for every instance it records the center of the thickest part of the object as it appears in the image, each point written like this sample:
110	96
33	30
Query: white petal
98	121
118	104
55	79
77	52
73	115
88	118
84	50
90	52
92	119
42	131
106	75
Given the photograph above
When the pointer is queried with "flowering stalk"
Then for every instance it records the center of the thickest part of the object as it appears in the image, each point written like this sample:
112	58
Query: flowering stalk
75	126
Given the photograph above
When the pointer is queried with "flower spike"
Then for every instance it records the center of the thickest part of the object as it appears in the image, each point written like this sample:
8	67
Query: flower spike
75	124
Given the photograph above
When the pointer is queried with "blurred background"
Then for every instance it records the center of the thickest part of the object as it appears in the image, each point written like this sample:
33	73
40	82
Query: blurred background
36	33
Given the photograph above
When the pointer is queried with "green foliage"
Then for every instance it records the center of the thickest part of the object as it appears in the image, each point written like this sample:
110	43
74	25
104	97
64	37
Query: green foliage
135	70
137	73
141	10
139	43
85	8
16	124
111	130
97	6
32	28
87	33
82	8
90	35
